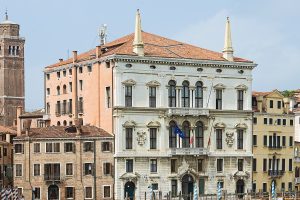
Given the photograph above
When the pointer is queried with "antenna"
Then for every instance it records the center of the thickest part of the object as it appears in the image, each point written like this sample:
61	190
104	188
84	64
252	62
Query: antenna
103	34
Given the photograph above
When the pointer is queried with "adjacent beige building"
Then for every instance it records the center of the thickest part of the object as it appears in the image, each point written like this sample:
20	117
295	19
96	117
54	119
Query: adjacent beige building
273	142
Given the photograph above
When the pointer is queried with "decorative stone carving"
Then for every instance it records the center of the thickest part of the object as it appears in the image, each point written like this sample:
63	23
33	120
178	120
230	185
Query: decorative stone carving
183	167
241	87
129	124
153	124
219	125
129	82
241	126
153	83
141	137
229	139
219	86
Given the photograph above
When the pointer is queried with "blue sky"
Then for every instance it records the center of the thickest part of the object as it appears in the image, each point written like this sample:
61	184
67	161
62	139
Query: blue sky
267	32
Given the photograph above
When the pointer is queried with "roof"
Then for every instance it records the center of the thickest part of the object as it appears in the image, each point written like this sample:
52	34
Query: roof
154	46
5	129
62	132
8	22
256	94
36	113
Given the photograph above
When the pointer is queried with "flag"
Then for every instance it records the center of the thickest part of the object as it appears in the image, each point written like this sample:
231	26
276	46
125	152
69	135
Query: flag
192	140
208	143
178	131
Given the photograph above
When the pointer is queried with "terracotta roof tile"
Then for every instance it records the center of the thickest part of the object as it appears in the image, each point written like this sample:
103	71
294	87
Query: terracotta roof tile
256	94
155	46
5	129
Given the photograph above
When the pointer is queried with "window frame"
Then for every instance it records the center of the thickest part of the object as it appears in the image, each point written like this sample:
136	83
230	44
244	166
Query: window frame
152	96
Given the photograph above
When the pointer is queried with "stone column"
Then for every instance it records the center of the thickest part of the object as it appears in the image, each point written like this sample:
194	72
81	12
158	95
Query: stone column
178	102
193	135
192	98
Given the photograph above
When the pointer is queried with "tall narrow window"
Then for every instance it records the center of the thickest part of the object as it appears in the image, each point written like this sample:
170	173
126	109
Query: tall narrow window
70	106
128	138
172	135
240	100
129	165
58	90
219	138
264	164
199	135
172	93
186	131
107	89
254	165
174	188
279	104
271	103
219	99
153	138
80	84
153	165
80	105
199	95
128	96
200	165
173	166
219	165
185	94
152	97
64	107
58	110
64	89
240	164
240	139
70	86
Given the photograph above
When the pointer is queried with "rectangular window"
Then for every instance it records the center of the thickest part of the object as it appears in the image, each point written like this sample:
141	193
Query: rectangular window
283	187
283	164
128	138
37	193
219	138
58	74
173	166
270	121
290	186
56	147
279	104
70	192
88	168
172	94
291	141
240	164
69	147
19	170
80	70
253	187
70	86
107	90
270	141
69	169
265	165
291	122
70	72
4	151
128	96
264	187
129	165
19	148
52	172
57	108
107	168
283	141
80	85
271	103
106	191
48	76
254	120
36	147
106	146
265	120
154	186
240	100
200	165
219	99
89	68
284	122
80	105
254	140
254	165
174	188
64	73
201	186
48	91
36	170
153	138
265	140
88	146
88	192
240	139
221	183
152	97
153	165
290	165
219	165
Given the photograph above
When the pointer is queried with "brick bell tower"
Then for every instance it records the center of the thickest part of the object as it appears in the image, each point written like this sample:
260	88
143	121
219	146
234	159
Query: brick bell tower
12	91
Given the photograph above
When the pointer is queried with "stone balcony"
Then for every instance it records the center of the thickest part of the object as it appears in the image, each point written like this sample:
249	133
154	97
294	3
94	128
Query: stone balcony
188	112
188	151
275	173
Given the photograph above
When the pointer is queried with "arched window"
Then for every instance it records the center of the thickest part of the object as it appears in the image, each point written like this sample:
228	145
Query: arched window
65	89
172	93
185	94
199	135
199	95
58	123
58	90
186	131
65	123
172	135
48	108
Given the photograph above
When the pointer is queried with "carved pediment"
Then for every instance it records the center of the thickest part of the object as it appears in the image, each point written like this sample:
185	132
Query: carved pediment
153	83
129	82
219	125
241	126
241	87
130	176
219	86
153	124
241	175
129	124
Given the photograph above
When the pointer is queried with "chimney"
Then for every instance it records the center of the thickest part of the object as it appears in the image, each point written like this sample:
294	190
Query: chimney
27	124
74	56
228	50
60	60
259	100
138	45
286	102
98	51
78	125
19	124
75	88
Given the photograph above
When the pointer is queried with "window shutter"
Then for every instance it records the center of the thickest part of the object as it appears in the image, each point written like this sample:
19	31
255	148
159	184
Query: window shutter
112	170
84	147
84	170
74	147
102	146
22	148
65	146
110	147
104	168
92	146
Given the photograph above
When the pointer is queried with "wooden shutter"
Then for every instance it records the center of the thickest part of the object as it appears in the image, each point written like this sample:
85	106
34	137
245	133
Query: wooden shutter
110	147
65	147
22	145
104	168
74	147
92	146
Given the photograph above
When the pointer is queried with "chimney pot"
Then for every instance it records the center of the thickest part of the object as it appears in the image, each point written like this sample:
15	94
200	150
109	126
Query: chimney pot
60	60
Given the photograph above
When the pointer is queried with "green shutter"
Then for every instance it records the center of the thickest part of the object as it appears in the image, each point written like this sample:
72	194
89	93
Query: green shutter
201	186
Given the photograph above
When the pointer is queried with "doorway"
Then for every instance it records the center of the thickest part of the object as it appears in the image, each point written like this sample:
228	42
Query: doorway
129	190
187	187
53	192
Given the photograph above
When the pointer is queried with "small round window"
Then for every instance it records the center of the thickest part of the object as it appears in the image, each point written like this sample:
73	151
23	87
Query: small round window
152	67
172	68
199	69
219	70
241	71
128	65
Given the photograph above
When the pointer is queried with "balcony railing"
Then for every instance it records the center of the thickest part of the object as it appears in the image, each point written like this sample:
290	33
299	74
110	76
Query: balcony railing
51	177
274	147
275	173
188	111
188	151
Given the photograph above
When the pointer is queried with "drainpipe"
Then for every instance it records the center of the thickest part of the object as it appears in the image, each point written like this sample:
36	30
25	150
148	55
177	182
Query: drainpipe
95	183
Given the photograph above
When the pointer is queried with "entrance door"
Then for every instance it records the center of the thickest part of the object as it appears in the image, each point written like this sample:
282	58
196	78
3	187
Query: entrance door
187	187
53	192
240	188
129	190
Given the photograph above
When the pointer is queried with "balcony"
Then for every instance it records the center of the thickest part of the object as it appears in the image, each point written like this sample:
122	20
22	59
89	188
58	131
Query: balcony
188	151
52	177
188	112
274	147
275	173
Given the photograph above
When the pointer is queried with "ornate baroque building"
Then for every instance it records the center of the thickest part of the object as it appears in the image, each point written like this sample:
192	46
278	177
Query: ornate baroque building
143	85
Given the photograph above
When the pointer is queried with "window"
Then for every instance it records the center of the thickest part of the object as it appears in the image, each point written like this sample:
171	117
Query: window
172	93
4	151
88	168
290	186
221	183
69	169
19	170
106	146
89	68
69	147
199	135
48	76
154	186
58	74
80	70
128	96
270	121
291	122
106	191
174	188
70	106
254	120
172	135
265	121
264	164
64	108
283	141
200	165
173	166
107	168
58	90
278	121
270	141
219	138
199	95
240	139
88	191
279	104
253	187
69	192
129	165
107	89
240	100
264	187
254	140
283	187
254	165
153	165
219	99
70	72
185	94
271	103
64	73
128	138
186	130
240	164
88	146
80	85
37	193
36	147
219	165
284	122
290	165
52	147
291	141
265	140
283	164
19	148
152	97
48	91
80	105
48	108
64	89
153	138
201	186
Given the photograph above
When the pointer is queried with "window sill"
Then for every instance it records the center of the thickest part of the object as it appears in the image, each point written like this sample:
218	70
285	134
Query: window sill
69	176
106	151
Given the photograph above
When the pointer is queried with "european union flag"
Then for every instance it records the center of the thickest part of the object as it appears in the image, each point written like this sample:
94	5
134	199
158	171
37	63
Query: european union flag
178	131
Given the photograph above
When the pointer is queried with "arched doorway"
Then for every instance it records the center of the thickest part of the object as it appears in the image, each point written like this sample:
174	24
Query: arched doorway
129	190
53	192
240	187
187	187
